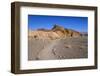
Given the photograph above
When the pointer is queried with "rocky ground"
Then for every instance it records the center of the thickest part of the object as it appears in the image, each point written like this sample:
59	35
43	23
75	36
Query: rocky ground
69	48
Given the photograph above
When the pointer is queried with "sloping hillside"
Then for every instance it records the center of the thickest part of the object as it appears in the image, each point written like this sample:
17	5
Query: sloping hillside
56	32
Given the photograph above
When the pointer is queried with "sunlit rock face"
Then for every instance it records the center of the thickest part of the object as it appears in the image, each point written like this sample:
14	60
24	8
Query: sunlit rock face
56	32
43	35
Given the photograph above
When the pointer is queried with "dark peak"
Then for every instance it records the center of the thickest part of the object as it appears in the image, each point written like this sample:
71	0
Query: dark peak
42	29
56	26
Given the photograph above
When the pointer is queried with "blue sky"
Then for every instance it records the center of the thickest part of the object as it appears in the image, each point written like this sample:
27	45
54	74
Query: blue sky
44	21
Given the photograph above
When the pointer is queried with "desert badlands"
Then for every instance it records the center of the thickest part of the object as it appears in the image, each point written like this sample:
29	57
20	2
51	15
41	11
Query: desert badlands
56	43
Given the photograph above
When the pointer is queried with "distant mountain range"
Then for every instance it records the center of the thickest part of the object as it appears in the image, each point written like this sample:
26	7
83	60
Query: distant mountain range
55	33
84	34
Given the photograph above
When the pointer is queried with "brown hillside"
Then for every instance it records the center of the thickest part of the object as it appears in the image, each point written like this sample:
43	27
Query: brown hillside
55	33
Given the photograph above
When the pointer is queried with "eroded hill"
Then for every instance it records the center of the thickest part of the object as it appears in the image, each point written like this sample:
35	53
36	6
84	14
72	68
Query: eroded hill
56	32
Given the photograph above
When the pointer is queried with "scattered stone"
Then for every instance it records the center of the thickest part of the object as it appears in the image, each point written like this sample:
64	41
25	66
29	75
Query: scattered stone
68	46
53	51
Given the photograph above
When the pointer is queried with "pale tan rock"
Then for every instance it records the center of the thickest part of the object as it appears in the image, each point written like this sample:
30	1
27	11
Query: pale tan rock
56	32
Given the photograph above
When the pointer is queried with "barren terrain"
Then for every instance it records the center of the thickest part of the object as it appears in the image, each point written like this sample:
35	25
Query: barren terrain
66	48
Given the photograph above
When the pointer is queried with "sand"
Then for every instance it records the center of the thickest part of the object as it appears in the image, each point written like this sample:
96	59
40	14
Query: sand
46	49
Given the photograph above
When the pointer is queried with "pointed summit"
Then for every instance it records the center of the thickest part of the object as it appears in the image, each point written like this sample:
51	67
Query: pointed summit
57	27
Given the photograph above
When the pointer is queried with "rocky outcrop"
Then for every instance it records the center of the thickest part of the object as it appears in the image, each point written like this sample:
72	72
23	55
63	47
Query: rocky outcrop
55	33
43	35
72	33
